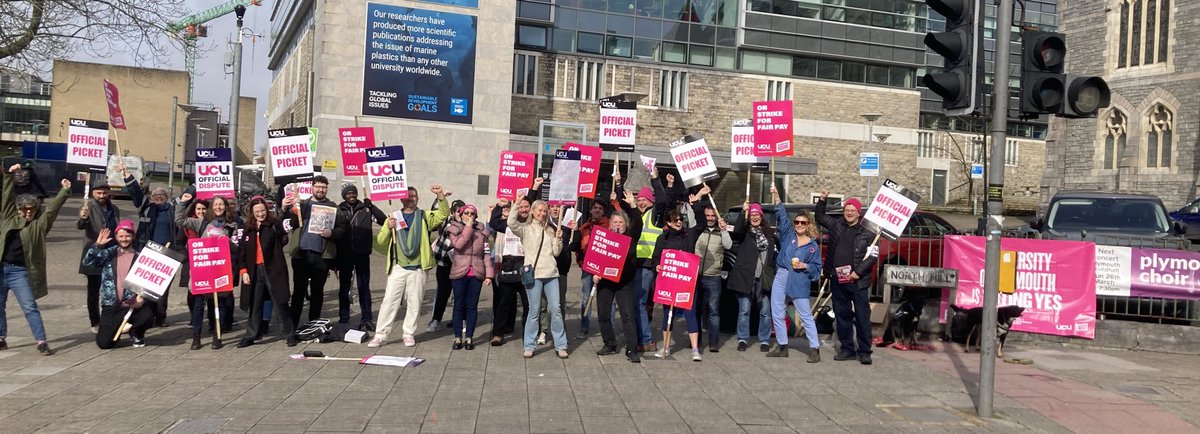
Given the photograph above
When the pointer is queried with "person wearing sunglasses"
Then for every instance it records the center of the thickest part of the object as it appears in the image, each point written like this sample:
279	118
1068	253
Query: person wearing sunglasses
755	246
23	255
798	266
676	237
472	269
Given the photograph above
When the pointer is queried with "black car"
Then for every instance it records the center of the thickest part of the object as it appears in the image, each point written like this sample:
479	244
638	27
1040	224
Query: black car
1128	219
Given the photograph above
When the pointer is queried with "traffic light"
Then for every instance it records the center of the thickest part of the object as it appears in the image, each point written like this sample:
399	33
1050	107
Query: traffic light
961	46
1042	80
1045	89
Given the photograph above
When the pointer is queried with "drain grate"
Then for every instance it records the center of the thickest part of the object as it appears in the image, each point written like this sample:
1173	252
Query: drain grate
1140	390
205	425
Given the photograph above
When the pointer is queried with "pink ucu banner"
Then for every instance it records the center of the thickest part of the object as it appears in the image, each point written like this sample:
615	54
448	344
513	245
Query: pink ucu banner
1055	282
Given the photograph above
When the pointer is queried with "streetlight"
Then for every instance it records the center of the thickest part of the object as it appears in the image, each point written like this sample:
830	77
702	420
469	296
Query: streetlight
871	117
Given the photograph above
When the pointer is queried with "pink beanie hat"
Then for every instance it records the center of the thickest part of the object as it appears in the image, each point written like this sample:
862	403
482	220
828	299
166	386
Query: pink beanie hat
646	193
853	202
756	209
126	225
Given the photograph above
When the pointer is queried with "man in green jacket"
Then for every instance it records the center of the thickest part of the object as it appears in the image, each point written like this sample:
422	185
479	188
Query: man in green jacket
23	255
406	242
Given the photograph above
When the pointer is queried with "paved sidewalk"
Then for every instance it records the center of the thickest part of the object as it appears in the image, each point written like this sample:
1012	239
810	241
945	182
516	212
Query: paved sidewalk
167	387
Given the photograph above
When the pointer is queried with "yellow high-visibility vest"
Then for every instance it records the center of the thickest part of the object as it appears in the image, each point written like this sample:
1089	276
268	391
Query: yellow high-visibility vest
650	234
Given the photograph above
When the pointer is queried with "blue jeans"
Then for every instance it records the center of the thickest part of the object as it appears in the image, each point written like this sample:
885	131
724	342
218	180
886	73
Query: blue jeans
16	278
743	320
645	282
764	320
585	321
549	288
712	300
466	306
267	306
689	316
779	295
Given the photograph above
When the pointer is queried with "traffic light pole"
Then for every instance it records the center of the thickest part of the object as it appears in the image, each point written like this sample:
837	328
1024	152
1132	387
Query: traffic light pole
995	209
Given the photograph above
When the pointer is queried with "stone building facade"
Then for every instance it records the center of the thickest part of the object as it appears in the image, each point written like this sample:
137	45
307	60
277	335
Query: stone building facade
1146	140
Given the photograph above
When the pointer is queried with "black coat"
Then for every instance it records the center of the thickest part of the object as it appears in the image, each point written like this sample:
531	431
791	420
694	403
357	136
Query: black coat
273	238
863	238
91	227
745	249
359	234
148	216
632	267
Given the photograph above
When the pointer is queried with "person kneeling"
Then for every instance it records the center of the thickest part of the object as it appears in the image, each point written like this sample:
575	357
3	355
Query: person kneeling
115	299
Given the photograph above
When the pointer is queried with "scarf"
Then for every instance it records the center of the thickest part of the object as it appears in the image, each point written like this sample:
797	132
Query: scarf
410	238
760	239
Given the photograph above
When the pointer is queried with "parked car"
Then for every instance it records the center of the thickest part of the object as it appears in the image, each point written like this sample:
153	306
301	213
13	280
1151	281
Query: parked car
1128	219
1190	215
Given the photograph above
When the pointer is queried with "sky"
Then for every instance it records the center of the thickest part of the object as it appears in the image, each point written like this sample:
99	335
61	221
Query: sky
212	85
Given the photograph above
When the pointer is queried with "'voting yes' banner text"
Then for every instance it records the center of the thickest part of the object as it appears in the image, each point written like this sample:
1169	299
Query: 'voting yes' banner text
211	265
387	175
214	173
1055	282
291	155
605	256
676	282
87	144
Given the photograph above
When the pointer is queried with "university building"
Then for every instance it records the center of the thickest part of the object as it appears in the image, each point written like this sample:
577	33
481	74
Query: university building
1146	140
851	67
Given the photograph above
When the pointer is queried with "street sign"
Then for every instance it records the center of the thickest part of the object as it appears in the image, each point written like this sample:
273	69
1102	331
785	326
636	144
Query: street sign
927	277
976	171
868	164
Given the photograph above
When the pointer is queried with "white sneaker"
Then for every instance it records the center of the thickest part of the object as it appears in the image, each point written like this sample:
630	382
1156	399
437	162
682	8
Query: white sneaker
661	353
410	341
376	342
433	326
696	356
95	330
541	339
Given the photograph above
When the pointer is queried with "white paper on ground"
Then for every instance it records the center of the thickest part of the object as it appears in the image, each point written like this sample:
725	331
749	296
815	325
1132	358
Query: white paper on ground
354	336
392	361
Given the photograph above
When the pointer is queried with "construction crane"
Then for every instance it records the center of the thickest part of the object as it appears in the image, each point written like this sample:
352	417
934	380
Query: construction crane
192	27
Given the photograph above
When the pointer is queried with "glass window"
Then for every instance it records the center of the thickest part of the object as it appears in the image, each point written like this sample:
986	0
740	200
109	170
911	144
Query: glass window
900	77
645	49
804	66
701	55
881	20
675	31
829	69
565	18
676	10
598	5
877	74
592	21
703	34
564	40
649	28
531	36
727	37
779	64
855	16
833	14
591	43
621	6
726	58
531	10
754	61
619	46
620	25
856	72
650	8
674	53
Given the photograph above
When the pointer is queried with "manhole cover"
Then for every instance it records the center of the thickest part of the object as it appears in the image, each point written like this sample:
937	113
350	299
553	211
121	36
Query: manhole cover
1141	390
206	425
930	415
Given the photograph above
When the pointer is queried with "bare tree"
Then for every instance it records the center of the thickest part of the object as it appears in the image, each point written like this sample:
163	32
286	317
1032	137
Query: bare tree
962	153
35	32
